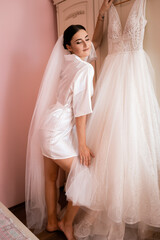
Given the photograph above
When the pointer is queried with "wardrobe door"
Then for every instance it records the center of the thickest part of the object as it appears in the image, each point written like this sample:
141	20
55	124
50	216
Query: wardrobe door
152	39
57	1
75	12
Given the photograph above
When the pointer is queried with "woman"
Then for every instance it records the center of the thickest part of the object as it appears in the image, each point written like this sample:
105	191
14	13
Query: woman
53	138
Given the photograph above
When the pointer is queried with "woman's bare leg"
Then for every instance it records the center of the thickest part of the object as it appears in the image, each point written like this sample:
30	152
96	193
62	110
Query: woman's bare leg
66	224
51	173
65	164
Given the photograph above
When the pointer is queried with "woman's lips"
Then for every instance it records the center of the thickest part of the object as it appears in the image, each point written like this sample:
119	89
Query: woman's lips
86	49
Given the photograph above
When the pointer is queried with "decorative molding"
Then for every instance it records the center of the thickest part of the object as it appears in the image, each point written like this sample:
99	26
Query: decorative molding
55	2
75	14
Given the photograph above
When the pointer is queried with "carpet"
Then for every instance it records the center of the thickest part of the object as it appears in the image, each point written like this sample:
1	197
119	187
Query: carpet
12	228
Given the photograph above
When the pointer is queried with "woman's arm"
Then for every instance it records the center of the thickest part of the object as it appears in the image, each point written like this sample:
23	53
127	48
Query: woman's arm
98	32
84	152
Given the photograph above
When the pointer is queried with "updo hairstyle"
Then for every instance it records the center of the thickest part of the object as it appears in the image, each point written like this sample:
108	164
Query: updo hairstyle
69	33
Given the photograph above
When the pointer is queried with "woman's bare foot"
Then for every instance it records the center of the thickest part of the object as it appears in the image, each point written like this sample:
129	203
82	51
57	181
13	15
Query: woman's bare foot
67	229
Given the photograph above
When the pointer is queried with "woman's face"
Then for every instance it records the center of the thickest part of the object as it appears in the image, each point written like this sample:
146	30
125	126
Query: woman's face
80	44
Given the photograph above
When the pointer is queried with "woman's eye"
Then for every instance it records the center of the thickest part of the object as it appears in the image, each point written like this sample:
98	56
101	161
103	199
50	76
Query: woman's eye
87	39
78	42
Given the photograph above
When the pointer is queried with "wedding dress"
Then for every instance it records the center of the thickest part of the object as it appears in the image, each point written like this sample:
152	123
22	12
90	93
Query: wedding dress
122	184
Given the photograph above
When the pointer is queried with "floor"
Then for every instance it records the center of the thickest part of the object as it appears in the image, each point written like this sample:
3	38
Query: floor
19	212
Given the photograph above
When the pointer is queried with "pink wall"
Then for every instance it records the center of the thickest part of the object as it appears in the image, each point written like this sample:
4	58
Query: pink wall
27	36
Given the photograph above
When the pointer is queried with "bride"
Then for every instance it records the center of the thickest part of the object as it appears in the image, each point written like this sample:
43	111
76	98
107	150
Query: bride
57	132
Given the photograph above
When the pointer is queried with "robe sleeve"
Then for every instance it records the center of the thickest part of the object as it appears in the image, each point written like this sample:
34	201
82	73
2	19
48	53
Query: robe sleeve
83	91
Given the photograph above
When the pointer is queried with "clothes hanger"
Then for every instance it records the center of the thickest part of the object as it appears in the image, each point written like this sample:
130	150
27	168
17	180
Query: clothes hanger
121	2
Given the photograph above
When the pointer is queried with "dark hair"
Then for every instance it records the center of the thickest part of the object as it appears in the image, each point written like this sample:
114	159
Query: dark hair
69	32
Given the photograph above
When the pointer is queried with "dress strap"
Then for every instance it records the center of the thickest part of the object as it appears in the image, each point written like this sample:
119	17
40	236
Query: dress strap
141	8
144	8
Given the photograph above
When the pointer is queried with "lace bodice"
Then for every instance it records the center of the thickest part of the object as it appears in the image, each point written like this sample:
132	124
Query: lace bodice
131	37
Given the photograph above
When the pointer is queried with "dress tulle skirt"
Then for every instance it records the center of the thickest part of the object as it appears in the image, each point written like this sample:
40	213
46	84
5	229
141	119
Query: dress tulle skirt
122	183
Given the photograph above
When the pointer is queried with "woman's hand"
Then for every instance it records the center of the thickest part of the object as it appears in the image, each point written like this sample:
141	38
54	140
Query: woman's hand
105	6
98	32
85	155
